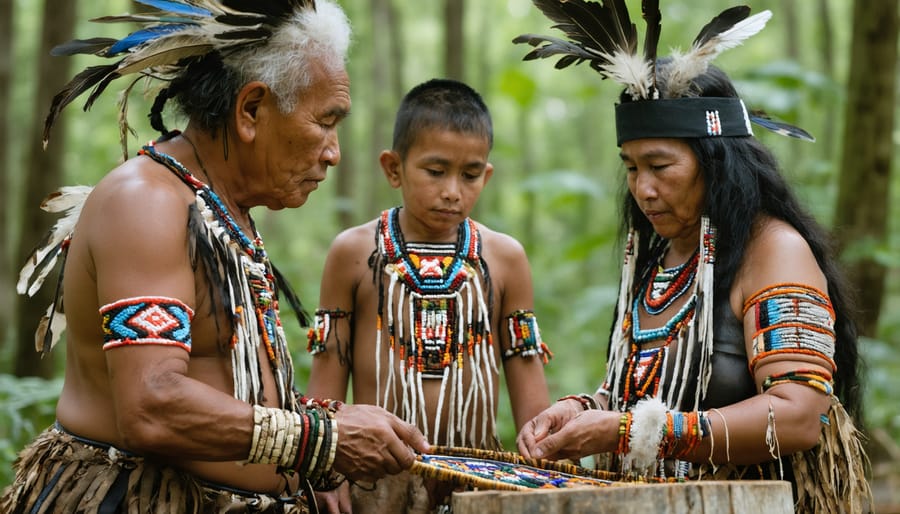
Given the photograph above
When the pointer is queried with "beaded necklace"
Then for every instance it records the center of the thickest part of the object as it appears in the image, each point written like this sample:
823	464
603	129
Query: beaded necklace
666	285
677	374
438	324
242	267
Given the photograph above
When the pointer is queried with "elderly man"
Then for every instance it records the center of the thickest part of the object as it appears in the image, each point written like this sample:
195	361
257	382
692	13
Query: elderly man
179	388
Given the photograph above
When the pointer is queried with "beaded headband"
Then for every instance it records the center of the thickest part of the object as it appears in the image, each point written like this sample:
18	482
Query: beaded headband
663	98
682	117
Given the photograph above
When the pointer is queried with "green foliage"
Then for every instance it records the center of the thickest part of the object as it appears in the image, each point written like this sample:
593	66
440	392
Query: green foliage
27	406
882	363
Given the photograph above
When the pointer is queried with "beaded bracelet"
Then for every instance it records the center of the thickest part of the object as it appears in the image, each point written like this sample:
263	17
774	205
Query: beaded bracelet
302	442
587	401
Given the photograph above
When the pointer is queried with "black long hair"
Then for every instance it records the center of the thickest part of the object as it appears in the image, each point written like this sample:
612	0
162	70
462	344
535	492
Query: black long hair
743	180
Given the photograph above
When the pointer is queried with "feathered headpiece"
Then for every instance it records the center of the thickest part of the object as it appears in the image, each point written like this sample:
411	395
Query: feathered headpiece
664	102
181	32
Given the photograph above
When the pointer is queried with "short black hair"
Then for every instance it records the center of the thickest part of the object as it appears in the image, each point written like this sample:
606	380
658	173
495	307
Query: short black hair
444	104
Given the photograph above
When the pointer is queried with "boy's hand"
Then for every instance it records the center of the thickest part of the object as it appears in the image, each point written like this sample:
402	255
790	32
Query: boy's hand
337	501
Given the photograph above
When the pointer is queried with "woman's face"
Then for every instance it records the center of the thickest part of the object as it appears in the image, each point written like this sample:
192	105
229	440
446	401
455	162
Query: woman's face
665	181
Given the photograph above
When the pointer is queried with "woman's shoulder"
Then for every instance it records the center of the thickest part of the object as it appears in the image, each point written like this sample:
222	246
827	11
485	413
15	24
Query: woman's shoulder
777	253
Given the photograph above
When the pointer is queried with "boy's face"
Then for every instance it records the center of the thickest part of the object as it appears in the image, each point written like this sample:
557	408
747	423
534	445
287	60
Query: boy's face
440	179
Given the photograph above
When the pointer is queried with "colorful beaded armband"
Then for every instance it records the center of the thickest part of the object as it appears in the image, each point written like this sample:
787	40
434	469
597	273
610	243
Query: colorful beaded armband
324	323
816	379
525	336
791	319
155	320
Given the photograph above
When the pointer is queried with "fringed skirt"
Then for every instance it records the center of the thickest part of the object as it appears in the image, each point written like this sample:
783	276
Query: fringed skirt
828	479
60	472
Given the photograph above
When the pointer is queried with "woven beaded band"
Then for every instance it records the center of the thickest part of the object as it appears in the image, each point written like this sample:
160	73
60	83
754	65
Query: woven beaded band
303	442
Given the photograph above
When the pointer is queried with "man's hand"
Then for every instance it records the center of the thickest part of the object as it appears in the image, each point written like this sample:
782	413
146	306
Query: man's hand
373	442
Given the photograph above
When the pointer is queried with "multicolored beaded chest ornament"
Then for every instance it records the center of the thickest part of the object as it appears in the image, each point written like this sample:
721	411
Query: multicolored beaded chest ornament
437	315
435	311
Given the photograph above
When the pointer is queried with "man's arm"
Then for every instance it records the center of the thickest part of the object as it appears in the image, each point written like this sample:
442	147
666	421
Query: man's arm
137	237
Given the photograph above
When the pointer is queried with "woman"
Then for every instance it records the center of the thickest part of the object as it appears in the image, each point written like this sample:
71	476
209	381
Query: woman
734	351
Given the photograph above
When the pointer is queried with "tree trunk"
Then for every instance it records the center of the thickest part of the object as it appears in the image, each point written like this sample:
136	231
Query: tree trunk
382	90
7	282
44	174
454	48
826	46
862	207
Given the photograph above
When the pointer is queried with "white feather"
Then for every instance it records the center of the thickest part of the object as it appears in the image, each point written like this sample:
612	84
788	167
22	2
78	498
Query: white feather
632	71
685	67
53	322
71	199
647	421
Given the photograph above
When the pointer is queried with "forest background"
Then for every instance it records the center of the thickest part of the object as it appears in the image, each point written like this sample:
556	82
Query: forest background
829	66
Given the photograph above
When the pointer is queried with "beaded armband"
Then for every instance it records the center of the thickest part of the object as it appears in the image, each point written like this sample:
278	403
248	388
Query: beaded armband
791	318
816	379
155	320
325	322
303	442
525	337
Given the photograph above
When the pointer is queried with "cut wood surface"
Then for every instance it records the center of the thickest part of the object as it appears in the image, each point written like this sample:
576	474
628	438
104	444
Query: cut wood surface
713	497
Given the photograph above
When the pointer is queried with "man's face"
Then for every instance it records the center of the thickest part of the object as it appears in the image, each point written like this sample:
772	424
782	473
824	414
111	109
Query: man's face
296	149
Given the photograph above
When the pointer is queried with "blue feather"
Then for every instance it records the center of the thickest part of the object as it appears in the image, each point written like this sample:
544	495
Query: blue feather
142	36
175	6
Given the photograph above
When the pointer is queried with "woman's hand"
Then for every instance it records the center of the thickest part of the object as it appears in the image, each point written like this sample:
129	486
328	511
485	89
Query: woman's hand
551	420
566	431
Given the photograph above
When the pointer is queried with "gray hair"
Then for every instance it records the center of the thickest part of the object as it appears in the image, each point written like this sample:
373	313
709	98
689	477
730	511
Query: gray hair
311	36
206	91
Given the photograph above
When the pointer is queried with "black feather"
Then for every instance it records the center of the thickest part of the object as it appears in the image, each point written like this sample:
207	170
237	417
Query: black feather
277	9
724	21
238	20
284	287
652	16
570	52
779	127
99	88
94	45
258	34
600	27
56	306
85	80
596	30
203	253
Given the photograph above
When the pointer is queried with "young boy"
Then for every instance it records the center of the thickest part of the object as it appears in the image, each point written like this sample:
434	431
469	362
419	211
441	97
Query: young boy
421	304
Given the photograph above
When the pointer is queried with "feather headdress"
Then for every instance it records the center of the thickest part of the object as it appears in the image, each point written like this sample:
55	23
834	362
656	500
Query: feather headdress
180	32
602	34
